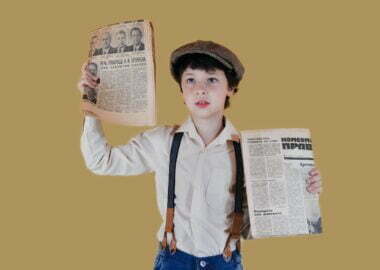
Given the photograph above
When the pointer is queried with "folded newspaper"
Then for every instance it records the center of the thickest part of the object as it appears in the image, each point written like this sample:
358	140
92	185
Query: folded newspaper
276	166
122	55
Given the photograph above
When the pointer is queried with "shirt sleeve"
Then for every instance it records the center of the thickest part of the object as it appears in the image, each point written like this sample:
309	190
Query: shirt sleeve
135	157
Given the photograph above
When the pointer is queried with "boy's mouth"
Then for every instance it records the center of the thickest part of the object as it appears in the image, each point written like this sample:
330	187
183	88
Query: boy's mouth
202	103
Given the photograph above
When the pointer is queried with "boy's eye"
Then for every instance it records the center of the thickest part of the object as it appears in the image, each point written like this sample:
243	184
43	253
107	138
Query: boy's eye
212	80
190	80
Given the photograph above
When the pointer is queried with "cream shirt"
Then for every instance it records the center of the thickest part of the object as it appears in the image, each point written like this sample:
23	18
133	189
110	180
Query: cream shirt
204	177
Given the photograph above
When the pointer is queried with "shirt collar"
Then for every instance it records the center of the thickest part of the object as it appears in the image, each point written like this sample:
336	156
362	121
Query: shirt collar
228	133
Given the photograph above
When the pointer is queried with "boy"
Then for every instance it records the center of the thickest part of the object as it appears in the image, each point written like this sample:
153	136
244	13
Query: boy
208	75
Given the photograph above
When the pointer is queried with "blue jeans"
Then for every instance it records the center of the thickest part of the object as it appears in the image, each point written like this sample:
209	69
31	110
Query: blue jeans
181	260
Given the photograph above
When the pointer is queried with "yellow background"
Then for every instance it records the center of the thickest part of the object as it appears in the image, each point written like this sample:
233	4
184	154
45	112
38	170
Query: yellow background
312	64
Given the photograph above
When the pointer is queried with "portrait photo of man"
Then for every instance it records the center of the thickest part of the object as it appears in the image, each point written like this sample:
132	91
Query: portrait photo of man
92	45
121	37
106	46
136	37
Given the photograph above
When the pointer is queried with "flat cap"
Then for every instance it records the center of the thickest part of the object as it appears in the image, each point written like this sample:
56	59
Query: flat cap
215	50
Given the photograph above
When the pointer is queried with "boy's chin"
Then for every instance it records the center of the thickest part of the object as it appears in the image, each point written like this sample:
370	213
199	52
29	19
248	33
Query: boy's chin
204	115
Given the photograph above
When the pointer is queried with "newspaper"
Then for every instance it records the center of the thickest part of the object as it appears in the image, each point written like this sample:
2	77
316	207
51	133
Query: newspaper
276	166
122	55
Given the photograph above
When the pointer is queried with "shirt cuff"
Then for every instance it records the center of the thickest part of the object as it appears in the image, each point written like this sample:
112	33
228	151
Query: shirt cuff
91	123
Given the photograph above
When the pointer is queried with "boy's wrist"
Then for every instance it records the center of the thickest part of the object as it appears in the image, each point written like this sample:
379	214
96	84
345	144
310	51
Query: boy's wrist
90	114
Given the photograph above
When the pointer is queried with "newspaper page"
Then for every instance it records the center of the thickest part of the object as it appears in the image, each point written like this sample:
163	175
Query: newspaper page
276	166
122	55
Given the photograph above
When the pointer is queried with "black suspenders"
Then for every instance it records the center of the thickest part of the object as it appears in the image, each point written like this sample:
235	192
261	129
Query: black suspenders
238	211
239	178
169	226
172	167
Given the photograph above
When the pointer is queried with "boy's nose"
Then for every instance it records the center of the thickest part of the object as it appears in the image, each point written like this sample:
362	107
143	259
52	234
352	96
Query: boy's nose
201	87
200	91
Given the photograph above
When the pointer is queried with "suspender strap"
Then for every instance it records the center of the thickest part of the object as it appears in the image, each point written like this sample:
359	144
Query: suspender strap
172	167
239	178
169	226
238	214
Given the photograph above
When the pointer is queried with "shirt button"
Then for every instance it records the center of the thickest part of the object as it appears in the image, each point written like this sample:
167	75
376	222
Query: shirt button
203	263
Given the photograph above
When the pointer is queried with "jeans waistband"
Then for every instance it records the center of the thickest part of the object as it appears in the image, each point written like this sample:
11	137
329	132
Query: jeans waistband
188	258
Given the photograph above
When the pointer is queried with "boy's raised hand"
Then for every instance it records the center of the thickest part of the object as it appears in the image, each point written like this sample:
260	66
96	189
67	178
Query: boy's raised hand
314	181
87	80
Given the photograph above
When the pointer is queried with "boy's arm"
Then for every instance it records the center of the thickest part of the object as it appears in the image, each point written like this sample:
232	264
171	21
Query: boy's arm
135	157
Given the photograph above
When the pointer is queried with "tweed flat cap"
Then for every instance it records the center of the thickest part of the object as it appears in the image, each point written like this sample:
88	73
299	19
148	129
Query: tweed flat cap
215	50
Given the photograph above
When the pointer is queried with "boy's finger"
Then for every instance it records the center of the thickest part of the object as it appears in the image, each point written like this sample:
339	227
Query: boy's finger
313	189
315	184
314	171
89	84
309	184
91	78
88	81
316	190
315	178
85	83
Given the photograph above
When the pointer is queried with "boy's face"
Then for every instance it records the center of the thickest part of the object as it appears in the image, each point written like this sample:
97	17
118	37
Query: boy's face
205	92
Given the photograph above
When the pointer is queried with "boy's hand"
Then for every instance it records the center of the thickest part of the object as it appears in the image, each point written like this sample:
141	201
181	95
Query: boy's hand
314	181
87	79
